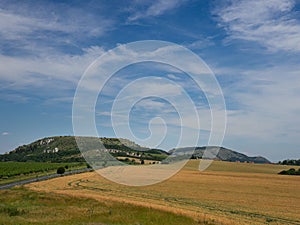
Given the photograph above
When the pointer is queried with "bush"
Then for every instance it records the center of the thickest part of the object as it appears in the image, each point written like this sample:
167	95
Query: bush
61	170
283	172
291	171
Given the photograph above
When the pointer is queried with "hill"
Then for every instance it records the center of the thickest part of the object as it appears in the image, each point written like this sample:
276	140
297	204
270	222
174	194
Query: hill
65	149
223	154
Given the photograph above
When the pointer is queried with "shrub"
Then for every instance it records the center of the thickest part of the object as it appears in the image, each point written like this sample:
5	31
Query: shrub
61	170
283	172
291	171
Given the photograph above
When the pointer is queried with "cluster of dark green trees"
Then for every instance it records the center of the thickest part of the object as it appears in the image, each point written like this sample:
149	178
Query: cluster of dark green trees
291	171
292	162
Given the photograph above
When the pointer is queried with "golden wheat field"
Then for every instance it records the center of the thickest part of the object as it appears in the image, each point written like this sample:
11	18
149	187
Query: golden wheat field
226	193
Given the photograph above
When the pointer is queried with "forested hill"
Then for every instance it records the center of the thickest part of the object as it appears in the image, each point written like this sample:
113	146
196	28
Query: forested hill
65	149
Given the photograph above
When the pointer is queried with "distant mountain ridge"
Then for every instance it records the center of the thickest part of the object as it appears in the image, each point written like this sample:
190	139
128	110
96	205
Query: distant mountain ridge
65	149
221	153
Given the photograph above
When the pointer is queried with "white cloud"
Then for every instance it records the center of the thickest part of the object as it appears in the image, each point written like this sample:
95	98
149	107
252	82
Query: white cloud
34	42
271	23
156	8
19	22
200	44
14	26
21	72
5	133
266	104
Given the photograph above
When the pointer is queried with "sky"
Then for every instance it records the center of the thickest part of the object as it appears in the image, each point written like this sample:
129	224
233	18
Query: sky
252	48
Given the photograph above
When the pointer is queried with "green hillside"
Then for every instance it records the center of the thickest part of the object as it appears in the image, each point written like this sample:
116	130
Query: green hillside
65	149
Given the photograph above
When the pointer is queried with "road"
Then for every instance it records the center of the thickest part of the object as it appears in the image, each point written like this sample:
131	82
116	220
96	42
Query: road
22	182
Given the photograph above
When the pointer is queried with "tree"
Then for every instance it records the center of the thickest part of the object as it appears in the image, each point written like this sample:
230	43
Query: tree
60	170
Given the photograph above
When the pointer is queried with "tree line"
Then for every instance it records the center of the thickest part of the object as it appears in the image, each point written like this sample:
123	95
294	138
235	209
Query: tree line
292	162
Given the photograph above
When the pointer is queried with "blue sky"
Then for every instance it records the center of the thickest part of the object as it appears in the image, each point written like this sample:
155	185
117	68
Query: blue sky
251	46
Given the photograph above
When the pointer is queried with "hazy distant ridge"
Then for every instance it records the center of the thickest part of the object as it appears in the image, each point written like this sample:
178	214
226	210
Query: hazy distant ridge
223	154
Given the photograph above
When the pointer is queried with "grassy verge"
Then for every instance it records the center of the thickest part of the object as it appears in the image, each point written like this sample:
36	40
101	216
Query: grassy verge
22	206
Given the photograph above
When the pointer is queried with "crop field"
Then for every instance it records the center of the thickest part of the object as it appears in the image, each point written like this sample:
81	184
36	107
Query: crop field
226	193
11	171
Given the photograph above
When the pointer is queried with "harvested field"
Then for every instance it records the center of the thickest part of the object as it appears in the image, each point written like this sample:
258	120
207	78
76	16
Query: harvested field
226	193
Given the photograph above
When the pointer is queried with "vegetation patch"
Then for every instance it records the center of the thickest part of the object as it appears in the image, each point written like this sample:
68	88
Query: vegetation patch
11	210
9	169
291	171
17	171
30	207
291	162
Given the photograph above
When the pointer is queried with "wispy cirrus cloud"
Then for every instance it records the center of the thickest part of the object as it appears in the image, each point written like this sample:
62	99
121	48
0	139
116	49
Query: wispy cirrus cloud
271	23
52	29
21	72
155	8
19	21
201	43
38	47
266	102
